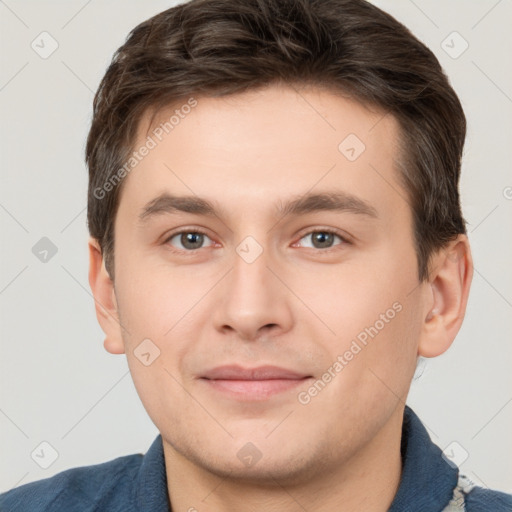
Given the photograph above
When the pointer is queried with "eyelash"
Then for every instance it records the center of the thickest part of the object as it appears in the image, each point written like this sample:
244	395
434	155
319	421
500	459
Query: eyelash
344	240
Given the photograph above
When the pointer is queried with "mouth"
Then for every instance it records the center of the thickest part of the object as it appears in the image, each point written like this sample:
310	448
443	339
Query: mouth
252	383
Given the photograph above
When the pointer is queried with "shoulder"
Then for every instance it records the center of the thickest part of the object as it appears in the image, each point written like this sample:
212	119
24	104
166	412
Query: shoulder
469	497
87	488
484	500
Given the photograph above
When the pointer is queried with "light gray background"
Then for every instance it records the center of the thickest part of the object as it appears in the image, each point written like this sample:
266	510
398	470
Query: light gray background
59	385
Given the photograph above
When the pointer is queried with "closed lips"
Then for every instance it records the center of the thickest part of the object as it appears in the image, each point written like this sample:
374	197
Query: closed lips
235	372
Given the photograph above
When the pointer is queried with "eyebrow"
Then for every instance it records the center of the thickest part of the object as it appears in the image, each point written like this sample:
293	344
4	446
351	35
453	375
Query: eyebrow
311	202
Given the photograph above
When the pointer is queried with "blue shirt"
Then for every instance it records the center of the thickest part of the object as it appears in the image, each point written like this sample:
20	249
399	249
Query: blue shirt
138	483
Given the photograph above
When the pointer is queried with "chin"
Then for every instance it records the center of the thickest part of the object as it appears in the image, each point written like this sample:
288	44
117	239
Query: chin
285	471
262	463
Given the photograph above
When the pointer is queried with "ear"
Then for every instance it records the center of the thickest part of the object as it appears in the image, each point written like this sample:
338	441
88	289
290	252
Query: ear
448	291
104	299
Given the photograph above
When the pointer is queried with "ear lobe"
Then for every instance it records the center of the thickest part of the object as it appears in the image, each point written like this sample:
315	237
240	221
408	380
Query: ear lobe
104	299
449	286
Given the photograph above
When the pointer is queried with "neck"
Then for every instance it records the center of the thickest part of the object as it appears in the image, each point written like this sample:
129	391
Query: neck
368	480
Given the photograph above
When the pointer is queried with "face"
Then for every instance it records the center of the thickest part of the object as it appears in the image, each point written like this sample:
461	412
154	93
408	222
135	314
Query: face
275	288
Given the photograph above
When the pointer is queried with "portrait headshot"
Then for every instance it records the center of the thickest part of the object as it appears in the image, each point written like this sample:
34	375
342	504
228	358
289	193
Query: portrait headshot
256	256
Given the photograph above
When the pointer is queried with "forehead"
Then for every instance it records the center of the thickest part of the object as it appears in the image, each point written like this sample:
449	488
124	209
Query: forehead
307	111
264	144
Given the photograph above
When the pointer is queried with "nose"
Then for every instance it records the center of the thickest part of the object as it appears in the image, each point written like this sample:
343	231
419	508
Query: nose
253	302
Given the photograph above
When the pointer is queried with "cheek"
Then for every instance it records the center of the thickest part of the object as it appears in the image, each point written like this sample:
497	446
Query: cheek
158	388
375	320
156	299
387	360
351	299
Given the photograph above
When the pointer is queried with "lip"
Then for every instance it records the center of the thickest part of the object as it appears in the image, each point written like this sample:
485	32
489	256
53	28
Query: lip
255	384
267	372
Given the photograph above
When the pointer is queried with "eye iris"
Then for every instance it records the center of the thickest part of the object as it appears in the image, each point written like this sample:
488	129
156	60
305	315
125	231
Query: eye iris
323	238
191	240
195	239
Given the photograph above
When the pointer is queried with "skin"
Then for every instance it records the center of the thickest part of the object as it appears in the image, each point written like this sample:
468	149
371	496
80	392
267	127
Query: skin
298	305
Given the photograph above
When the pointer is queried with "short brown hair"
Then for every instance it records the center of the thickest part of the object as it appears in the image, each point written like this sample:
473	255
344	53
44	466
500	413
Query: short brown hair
221	47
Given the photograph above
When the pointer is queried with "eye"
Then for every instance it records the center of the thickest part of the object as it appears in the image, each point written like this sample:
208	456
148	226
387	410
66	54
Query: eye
194	239
322	239
189	240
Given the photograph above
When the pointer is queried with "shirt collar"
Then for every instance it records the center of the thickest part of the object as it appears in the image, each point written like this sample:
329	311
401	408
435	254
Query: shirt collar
427	480
150	491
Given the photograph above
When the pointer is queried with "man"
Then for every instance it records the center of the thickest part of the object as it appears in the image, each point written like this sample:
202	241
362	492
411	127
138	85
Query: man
276	236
